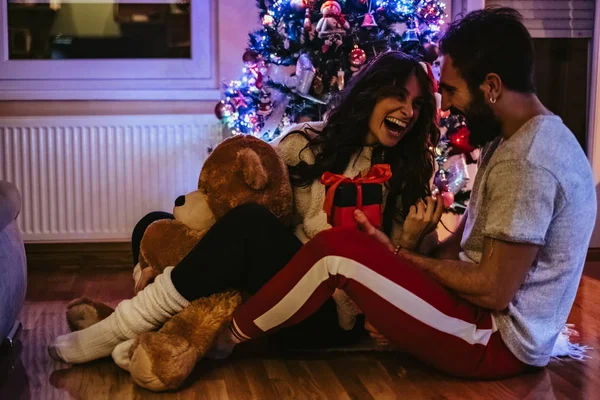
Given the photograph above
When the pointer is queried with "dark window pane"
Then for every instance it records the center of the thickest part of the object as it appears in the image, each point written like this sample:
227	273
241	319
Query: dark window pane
76	29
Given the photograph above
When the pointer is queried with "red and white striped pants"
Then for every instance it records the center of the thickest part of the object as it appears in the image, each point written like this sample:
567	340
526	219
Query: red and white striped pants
412	310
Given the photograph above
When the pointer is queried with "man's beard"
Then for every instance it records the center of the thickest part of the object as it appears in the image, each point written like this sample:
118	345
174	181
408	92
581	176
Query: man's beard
481	121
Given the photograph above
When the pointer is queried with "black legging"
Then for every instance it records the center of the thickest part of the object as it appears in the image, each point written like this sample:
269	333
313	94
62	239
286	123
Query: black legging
242	251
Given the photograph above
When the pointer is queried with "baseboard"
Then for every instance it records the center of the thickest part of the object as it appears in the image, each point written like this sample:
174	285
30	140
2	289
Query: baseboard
593	254
116	255
78	255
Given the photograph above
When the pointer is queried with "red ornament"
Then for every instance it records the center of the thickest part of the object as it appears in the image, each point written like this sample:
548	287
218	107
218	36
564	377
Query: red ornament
448	198
250	58
298	5
459	141
431	52
357	56
259	80
223	110
369	21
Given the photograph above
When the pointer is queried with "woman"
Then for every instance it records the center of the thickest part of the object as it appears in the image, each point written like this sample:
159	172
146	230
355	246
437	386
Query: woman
387	114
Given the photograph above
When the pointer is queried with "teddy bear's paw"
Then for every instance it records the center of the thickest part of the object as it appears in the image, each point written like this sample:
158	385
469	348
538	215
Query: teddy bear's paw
161	362
83	312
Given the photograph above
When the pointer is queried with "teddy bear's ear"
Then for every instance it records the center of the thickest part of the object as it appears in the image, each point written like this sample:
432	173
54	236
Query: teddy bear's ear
252	169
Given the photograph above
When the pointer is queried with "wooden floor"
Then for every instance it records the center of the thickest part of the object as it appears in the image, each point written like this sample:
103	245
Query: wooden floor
258	376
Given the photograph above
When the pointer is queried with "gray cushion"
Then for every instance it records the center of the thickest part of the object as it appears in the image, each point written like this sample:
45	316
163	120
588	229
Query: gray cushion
13	265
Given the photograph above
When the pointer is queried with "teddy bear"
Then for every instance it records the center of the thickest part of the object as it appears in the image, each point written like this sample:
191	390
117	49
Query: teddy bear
240	170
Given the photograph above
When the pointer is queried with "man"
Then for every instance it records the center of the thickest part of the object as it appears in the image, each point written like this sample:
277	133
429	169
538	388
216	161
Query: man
504	284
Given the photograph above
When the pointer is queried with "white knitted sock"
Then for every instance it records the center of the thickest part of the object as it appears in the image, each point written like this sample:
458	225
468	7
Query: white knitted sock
347	310
148	310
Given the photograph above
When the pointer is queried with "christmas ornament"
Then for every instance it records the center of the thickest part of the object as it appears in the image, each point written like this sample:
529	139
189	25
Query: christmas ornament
307	22
297	5
459	141
357	56
223	110
267	20
340	79
317	85
440	180
431	52
448	198
332	22
253	119
337	39
305	72
279	103
256	77
369	21
250	58
266	106
238	101
457	174
410	35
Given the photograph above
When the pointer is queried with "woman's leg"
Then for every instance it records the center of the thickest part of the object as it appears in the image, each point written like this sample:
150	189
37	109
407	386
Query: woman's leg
412	310
140	228
243	250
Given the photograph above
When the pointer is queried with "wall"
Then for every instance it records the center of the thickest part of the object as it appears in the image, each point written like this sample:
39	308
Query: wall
594	119
232	34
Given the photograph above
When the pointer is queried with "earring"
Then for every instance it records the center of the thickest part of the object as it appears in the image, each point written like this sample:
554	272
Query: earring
492	100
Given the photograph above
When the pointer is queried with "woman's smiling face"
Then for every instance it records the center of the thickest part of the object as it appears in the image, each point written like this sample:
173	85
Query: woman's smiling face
393	117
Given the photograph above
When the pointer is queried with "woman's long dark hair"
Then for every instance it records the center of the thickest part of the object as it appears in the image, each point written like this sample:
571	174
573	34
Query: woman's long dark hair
347	126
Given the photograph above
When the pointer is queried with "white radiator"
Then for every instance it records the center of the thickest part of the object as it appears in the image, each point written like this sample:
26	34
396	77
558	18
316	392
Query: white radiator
92	178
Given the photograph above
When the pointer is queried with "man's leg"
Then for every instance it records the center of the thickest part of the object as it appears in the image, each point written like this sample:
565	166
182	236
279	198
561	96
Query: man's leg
413	311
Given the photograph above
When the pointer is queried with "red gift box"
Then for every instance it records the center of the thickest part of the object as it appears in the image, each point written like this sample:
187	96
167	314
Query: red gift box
344	195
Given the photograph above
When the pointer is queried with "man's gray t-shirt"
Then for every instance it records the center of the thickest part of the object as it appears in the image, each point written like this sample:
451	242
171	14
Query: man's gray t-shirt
536	187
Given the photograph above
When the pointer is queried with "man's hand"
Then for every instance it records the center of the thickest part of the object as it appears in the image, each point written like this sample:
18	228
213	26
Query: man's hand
490	284
422	219
376	335
147	277
365	226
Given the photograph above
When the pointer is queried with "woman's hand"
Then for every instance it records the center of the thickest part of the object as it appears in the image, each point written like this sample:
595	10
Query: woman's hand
376	335
147	277
364	225
422	219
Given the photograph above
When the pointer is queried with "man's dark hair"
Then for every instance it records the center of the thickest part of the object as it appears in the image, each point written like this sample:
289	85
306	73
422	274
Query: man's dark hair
492	40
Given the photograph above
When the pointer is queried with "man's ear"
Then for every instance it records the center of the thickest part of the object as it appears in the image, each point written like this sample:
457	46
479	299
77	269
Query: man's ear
491	87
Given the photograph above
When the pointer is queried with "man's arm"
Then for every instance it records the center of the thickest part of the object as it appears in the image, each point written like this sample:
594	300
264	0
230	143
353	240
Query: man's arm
492	283
450	248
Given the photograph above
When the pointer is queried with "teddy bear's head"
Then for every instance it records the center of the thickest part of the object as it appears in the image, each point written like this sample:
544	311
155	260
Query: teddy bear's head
240	170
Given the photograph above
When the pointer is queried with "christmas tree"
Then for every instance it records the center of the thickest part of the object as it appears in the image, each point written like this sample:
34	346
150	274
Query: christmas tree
307	50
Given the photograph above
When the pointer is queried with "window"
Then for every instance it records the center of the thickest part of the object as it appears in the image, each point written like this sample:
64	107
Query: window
107	49
554	19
